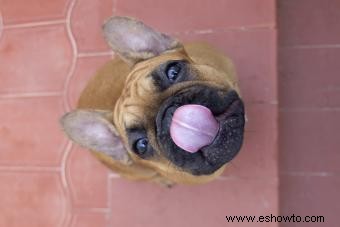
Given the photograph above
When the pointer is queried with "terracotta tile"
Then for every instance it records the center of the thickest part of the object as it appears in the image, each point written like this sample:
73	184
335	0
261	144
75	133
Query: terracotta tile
87	19
145	204
309	78
254	54
259	155
312	196
87	178
308	22
15	11
261	118
168	16
31	199
30	131
34	59
85	69
309	141
89	219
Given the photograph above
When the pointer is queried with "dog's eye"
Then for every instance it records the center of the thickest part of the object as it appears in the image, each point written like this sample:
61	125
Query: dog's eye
172	71
141	146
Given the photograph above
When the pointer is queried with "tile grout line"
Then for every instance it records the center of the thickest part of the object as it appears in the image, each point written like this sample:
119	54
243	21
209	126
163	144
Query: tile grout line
67	149
185	32
276	85
311	46
72	40
72	195
62	148
109	200
273	102
34	24
102	210
63	165
22	168
230	29
235	177
66	8
94	54
67	188
113	175
66	216
31	95
114	10
309	109
309	174
1	25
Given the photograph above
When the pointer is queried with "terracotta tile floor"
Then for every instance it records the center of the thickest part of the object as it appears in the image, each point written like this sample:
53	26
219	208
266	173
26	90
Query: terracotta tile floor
309	85
49	49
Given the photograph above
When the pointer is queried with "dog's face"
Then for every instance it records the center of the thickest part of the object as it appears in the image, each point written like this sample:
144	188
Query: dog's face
179	117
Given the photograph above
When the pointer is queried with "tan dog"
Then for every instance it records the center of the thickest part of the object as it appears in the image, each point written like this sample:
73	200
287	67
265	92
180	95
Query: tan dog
163	112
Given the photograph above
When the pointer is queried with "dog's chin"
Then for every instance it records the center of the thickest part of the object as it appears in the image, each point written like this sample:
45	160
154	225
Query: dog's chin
228	110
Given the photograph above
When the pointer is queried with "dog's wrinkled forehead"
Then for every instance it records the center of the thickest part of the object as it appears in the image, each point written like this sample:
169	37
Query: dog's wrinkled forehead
140	97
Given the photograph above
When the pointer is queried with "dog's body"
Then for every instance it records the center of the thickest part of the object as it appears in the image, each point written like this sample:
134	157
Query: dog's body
128	100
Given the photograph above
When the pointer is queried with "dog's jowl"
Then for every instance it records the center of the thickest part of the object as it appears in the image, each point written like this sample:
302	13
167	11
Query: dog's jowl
162	111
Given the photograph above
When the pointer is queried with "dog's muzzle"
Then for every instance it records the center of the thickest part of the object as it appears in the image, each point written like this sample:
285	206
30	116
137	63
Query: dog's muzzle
228	110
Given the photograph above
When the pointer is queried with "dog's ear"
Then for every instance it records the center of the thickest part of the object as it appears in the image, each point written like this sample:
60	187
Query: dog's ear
134	41
94	130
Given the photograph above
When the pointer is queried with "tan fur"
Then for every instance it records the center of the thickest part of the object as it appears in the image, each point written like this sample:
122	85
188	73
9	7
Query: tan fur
132	98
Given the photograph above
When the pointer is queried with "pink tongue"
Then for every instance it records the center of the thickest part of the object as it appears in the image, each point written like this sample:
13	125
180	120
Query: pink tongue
193	127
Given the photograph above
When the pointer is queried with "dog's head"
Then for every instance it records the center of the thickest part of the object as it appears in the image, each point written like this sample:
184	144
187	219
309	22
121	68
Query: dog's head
179	116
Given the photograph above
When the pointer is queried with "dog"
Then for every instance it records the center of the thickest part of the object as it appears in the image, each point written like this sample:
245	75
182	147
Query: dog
162	111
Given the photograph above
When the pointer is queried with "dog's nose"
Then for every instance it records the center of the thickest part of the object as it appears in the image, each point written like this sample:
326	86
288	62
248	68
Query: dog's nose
193	127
